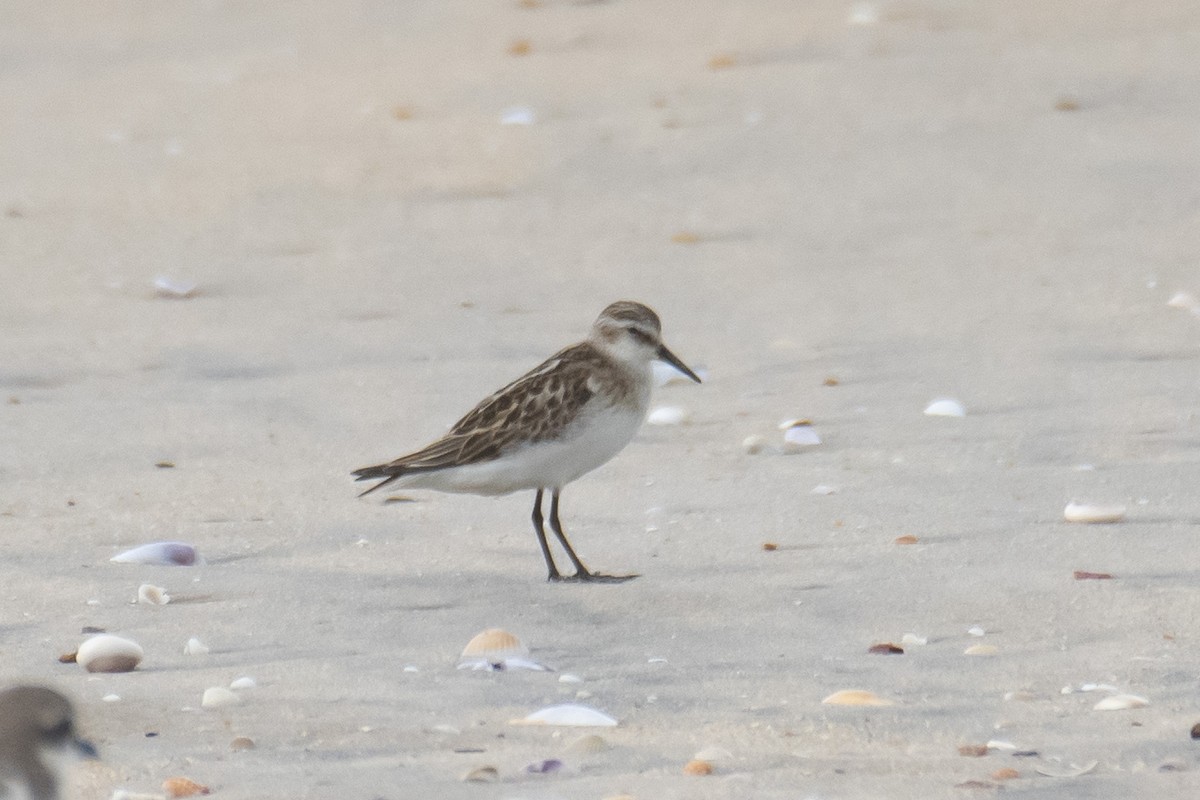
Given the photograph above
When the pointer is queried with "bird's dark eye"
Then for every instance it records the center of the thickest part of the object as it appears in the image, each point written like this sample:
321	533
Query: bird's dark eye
639	334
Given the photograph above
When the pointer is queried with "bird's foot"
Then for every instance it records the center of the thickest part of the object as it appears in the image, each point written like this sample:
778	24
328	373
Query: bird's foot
583	576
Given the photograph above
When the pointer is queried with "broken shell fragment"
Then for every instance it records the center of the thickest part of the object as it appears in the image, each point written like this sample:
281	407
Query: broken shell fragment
484	774
856	697
152	595
754	444
945	407
886	649
697	767
1121	702
183	787
219	697
569	715
108	653
1184	300
240	743
195	647
1087	512
981	650
172	554
165	286
800	436
544	767
669	415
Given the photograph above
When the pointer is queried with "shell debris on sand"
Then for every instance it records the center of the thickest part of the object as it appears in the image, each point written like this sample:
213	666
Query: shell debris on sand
798	435
496	649
856	697
183	787
697	767
219	697
151	595
589	744
568	715
171	554
1121	702
1093	513
484	774
945	407
195	647
107	653
669	415
981	650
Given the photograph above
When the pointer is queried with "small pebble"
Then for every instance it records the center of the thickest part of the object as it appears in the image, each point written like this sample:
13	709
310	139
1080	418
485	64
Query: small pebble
697	767
241	743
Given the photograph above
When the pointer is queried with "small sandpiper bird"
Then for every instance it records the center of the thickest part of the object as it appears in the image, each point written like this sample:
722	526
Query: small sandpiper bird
562	419
37	738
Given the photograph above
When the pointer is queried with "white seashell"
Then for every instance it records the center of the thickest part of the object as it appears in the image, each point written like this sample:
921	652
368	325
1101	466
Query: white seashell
107	653
714	755
665	374
219	697
754	444
822	489
568	714
177	554
945	407
1184	300
152	595
1000	744
518	115
981	650
914	639
1072	771
411	668
669	415
1120	702
856	697
567	677
975	630
1086	512
111	698
195	647
793	422
243	683
169	287
798	437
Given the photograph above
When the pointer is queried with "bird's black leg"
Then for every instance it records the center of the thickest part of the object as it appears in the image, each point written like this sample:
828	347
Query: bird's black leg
541	534
581	572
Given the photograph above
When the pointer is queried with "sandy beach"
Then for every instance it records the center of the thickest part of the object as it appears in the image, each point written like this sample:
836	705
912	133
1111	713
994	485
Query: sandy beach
381	212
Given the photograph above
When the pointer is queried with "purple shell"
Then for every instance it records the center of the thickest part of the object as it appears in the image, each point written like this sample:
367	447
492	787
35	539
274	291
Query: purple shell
544	767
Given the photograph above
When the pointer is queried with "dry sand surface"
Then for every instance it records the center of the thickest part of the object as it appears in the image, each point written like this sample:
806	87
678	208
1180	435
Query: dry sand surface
992	201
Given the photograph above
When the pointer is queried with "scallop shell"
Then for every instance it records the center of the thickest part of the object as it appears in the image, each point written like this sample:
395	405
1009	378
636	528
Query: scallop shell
152	595
568	715
219	697
107	653
1087	512
945	407
856	697
669	415
171	554
183	787
496	649
243	683
1121	702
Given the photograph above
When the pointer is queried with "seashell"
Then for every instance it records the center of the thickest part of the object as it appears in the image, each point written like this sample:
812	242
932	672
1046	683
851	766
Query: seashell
685	237
722	61
1072	771
981	650
520	47
697	767
1184	300
669	415
754	444
496	649
485	774
798	437
1086	512
177	289
219	697
544	767
793	422
1195	734
195	647
1000	744
165	464
107	653
886	649
1005	774
176	554
241	743
569	715
1120	702
68	658
243	683
152	595
589	743
912	638
907	538
822	489
183	787
945	407
568	677
855	697
976	630
973	750
111	698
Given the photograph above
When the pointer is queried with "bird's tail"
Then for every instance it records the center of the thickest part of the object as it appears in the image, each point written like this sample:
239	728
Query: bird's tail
389	473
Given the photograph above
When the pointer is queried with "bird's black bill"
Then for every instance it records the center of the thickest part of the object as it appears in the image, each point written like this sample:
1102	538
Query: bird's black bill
86	749
666	355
